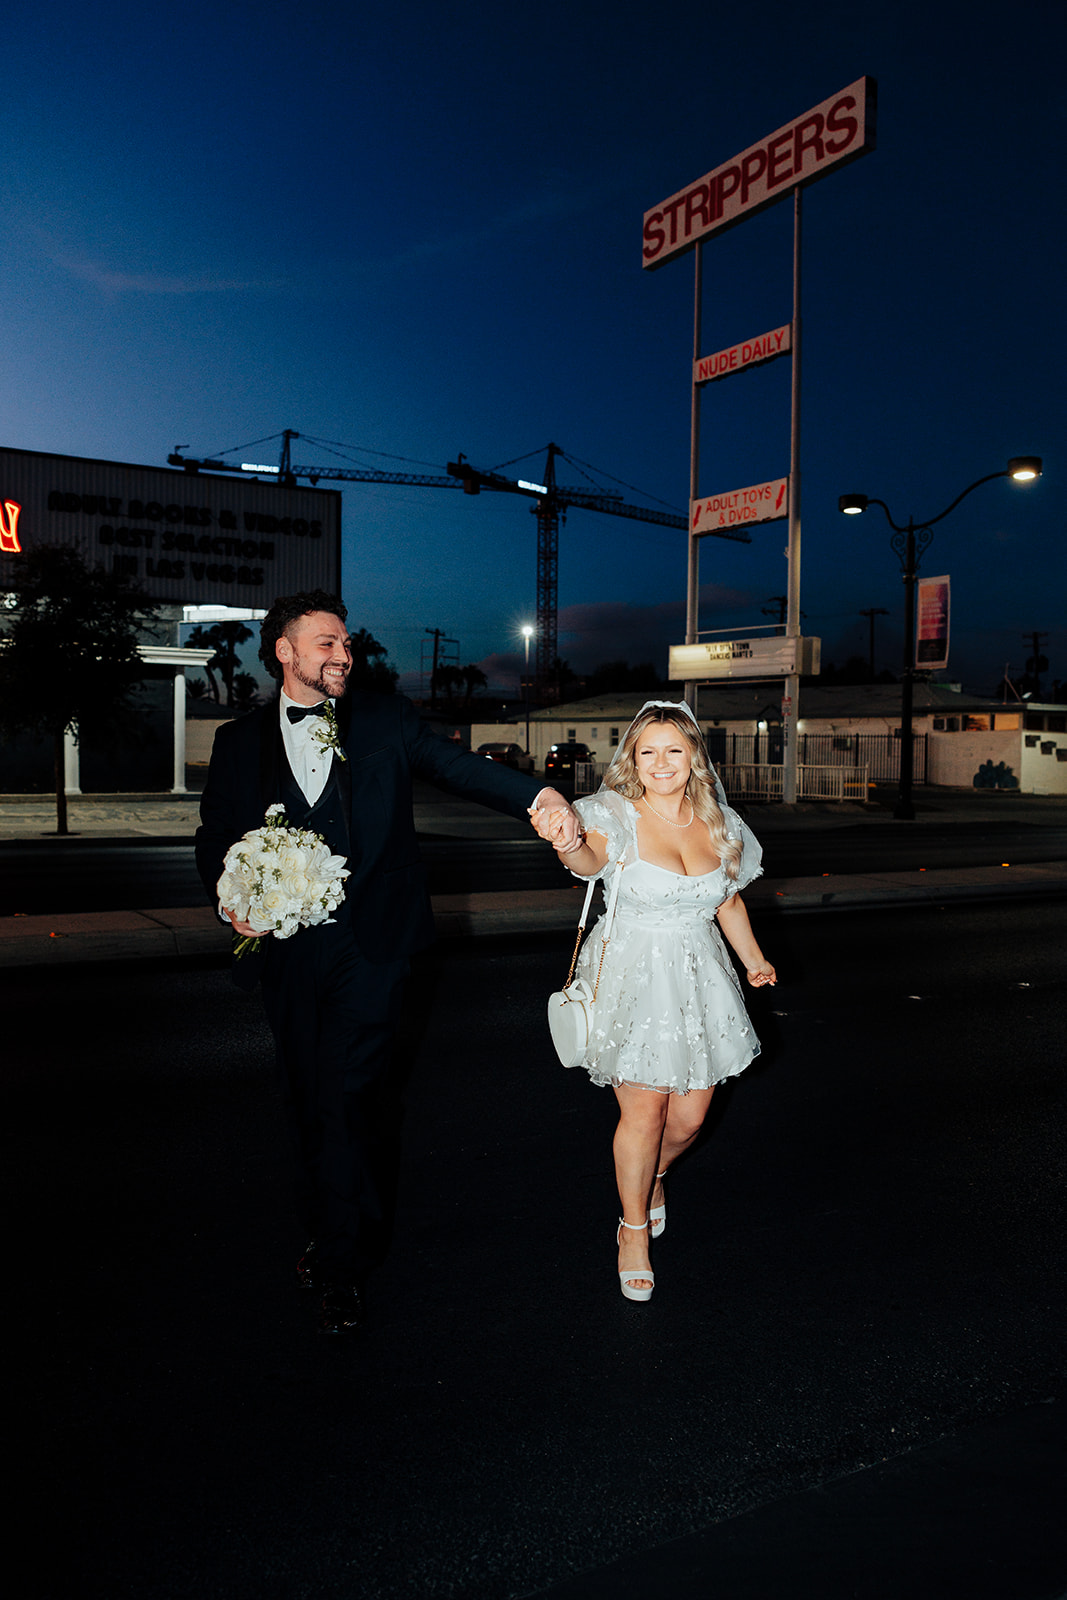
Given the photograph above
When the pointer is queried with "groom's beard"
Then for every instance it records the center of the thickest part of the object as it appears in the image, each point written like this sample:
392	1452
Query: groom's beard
330	682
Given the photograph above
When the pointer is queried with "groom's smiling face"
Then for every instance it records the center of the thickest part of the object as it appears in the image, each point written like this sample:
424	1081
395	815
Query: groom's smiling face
316	658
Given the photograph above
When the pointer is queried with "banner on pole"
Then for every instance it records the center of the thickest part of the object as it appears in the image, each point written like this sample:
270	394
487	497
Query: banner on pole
931	633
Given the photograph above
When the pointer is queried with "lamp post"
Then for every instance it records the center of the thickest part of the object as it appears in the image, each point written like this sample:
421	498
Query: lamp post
910	543
527	634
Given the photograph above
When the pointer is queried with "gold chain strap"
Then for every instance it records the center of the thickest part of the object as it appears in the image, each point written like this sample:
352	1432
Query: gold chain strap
599	970
574	957
604	945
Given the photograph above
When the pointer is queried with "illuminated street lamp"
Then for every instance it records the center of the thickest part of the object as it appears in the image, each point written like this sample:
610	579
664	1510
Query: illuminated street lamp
910	544
527	634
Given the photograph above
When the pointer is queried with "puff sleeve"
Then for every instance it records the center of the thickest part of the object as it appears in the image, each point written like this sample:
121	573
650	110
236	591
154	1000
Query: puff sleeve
751	864
608	813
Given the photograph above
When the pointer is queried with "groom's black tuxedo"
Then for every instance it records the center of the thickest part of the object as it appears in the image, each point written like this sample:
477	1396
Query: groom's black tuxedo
333	992
386	743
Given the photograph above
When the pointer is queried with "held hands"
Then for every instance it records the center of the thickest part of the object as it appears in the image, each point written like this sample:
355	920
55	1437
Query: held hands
559	824
764	973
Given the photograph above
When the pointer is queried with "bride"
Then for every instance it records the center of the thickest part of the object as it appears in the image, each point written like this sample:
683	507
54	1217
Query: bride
669	1022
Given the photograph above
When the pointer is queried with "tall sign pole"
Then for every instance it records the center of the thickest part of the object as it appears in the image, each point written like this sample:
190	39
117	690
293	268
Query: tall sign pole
692	600
791	697
825	138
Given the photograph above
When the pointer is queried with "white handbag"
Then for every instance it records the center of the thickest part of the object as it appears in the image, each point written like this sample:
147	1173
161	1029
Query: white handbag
570	1009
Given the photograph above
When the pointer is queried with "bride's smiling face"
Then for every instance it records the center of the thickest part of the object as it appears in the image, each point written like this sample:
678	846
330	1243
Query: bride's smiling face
662	758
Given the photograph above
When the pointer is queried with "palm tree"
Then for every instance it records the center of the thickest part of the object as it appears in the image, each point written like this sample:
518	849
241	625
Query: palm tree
473	678
226	636
201	639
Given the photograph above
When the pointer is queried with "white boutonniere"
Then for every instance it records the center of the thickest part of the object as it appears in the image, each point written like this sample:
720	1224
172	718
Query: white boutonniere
327	735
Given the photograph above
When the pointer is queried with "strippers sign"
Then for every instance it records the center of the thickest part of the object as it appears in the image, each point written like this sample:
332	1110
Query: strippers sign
761	502
838	130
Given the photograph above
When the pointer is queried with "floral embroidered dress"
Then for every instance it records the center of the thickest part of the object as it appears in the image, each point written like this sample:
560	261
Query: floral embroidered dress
669	1013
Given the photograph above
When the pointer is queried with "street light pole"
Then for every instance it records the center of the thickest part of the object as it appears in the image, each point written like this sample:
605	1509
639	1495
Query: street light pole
910	552
911	543
527	634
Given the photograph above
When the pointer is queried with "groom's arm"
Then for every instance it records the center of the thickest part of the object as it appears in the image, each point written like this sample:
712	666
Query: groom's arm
219	825
489	782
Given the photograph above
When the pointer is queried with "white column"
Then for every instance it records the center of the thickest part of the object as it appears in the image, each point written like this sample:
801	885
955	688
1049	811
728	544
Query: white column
179	733
71	764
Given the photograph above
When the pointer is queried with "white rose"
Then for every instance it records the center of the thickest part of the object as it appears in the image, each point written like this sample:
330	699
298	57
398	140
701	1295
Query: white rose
233	895
270	908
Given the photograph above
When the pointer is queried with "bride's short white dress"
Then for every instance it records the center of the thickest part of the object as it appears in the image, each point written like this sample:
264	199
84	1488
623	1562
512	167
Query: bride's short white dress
669	1013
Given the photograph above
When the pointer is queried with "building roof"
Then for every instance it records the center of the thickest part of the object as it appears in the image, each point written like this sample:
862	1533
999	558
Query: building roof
753	702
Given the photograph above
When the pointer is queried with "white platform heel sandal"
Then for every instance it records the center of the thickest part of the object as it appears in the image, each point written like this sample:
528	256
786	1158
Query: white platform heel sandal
658	1215
632	1273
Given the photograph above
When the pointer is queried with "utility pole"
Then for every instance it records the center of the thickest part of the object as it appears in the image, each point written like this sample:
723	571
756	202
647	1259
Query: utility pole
777	607
438	640
872	612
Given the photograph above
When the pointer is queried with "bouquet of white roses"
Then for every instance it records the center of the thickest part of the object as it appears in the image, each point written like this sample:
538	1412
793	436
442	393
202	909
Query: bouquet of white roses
280	878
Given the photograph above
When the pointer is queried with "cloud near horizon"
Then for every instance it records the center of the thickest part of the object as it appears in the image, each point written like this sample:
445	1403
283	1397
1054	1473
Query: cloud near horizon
619	630
596	631
113	282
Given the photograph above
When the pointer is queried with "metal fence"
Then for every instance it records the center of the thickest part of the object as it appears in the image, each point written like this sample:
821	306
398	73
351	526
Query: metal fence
761	781
587	776
878	752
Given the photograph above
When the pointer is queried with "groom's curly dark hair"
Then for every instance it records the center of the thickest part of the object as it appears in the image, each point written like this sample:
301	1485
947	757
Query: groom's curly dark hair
287	610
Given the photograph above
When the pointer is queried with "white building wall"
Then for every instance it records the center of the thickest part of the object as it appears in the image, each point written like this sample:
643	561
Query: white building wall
1044	771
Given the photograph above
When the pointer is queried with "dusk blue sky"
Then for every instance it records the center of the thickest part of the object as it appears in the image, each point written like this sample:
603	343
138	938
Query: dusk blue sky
416	229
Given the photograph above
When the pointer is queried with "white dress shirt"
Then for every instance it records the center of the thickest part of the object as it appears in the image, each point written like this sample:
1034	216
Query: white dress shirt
311	765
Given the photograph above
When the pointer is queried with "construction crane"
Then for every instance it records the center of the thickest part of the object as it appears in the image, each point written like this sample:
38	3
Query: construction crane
551	503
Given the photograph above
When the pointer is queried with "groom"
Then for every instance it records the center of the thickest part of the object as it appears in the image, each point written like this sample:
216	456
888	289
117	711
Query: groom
342	764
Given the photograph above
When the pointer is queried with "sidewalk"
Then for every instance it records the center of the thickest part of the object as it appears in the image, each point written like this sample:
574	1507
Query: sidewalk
153	933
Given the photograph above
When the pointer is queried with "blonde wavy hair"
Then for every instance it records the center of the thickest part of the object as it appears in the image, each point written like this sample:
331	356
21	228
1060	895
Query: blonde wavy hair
700	788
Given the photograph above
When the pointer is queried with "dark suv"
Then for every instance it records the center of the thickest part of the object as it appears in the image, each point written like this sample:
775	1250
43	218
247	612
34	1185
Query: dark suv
562	757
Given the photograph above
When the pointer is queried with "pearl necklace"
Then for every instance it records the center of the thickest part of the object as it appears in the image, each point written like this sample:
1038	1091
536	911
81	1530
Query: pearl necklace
667	820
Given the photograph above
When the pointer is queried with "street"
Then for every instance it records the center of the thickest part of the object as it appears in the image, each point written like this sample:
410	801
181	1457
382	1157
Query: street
862	1258
91	874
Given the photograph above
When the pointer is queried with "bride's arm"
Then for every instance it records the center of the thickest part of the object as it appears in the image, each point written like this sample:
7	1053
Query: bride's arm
585	857
733	920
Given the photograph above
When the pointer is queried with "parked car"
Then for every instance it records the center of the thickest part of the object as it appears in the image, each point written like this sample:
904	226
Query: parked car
512	755
561	759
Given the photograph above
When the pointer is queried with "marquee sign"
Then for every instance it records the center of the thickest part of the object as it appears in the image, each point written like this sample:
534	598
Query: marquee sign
187	539
838	130
761	502
776	657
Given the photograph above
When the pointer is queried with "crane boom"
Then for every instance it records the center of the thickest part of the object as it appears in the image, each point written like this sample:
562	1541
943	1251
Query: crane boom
552	501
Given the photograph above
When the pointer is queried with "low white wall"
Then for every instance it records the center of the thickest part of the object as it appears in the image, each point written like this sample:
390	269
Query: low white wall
199	737
957	759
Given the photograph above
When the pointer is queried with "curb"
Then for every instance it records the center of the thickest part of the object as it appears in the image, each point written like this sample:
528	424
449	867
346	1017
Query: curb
196	931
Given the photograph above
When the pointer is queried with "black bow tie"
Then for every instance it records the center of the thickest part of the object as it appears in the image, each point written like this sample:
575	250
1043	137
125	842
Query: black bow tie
298	713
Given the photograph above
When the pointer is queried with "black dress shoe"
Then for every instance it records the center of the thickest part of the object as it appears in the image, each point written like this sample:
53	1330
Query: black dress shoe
307	1268
342	1310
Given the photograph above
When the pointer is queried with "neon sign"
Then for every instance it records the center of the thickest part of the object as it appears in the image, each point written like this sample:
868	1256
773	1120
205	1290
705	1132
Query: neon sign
9	522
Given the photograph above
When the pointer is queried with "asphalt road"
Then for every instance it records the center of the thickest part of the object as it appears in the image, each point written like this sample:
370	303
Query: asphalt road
90	874
863	1261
